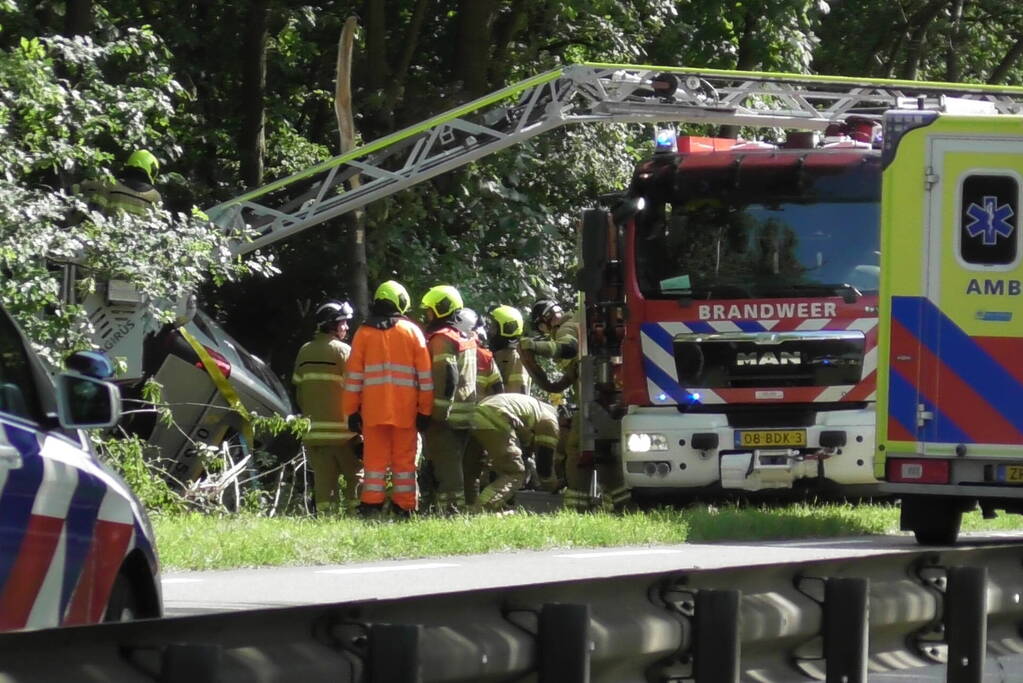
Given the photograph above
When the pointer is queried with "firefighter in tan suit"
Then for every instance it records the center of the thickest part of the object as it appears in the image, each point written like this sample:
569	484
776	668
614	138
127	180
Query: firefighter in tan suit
507	425
319	383
562	346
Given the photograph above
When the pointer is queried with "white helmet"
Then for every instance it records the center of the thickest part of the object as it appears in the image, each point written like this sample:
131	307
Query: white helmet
465	320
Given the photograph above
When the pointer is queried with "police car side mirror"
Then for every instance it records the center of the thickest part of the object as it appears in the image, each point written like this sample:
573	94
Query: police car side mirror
85	402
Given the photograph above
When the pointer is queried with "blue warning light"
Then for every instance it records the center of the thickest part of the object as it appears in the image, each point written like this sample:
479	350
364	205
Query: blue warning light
664	140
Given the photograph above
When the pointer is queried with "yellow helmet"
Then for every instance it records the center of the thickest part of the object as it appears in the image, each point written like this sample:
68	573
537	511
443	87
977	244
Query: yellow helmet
509	321
443	300
396	294
144	159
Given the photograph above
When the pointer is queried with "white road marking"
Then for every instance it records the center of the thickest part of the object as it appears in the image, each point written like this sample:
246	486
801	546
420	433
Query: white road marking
180	580
390	568
623	553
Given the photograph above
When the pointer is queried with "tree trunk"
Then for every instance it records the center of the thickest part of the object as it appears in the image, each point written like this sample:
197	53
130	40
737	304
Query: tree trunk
746	61
252	138
472	45
956	34
77	18
1008	62
511	25
396	85
919	24
354	235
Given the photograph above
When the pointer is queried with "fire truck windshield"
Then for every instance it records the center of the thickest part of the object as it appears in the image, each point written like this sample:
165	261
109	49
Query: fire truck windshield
816	238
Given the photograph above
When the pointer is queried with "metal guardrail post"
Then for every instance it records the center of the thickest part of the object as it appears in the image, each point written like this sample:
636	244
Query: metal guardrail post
394	653
564	643
965	619
846	629
716	636
190	663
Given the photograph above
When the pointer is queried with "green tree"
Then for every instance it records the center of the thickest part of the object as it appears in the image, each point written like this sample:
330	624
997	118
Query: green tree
71	109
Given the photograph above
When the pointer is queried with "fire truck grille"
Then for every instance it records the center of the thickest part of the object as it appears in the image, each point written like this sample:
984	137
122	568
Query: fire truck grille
737	360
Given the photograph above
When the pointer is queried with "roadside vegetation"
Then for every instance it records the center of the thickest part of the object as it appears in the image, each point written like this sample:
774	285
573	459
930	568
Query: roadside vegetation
198	541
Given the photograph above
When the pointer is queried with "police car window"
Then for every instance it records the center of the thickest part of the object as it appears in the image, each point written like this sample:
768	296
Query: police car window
17	388
989	220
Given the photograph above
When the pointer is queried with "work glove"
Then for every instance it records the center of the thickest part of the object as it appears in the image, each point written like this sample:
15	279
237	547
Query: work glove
358	447
355	423
422	422
544	461
527	344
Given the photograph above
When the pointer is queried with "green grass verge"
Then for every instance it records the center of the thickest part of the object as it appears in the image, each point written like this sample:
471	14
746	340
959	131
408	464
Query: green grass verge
195	541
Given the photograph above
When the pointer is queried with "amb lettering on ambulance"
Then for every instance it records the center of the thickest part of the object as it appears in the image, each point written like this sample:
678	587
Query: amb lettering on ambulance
768	311
994	287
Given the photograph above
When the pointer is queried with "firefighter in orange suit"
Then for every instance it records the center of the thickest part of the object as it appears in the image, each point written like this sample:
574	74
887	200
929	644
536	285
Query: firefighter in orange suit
453	355
388	398
319	381
506	425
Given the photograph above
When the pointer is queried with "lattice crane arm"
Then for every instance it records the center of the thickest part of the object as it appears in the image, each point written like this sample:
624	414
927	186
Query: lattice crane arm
574	94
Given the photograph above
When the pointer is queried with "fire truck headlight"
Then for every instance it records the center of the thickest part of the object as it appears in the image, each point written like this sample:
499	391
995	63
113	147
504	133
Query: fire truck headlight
640	442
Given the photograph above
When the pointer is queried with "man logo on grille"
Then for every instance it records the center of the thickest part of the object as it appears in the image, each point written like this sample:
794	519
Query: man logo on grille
989	220
769	358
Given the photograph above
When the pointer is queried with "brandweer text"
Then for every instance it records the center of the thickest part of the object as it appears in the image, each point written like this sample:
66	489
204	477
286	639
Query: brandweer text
767	311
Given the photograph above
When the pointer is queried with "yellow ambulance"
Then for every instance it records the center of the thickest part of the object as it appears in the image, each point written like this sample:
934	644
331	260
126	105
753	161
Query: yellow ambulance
950	364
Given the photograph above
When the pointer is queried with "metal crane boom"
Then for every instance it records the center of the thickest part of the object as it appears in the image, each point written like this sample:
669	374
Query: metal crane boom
579	93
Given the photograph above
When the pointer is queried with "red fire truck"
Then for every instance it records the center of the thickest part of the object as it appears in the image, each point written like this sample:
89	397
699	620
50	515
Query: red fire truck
731	304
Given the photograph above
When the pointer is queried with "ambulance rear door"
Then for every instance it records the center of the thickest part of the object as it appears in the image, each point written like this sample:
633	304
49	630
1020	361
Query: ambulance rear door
969	322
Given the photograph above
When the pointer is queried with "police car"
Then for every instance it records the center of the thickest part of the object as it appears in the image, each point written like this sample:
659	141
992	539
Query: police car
75	544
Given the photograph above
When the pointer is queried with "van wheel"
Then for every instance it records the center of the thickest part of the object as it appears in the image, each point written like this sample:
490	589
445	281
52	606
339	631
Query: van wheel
123	604
932	521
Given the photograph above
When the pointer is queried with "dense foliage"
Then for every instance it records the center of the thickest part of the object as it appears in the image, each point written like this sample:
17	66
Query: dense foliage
231	95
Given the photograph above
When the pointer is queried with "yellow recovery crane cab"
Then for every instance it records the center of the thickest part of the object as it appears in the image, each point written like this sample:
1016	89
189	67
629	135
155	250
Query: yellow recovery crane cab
950	366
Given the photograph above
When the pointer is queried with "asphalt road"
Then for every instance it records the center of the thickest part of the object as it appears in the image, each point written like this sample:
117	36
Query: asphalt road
241	589
187	593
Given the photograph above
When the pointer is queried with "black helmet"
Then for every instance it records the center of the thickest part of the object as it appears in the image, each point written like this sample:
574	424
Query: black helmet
542	310
330	313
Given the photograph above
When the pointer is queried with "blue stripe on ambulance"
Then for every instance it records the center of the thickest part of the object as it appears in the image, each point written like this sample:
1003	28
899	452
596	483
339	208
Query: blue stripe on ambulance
961	354
902	402
81	520
18	496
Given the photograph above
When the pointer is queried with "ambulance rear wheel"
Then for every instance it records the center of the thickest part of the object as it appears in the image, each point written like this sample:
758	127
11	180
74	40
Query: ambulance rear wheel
933	521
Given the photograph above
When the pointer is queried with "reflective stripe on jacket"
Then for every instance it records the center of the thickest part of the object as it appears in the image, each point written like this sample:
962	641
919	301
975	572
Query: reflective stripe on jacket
453	356
509	363
534	422
389	376
319	382
111	198
563	346
488	377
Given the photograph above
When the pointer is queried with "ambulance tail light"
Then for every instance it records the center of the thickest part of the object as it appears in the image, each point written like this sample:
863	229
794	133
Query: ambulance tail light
918	471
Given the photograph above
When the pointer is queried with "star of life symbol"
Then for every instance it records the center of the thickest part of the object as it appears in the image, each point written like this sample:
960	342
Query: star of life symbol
989	220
